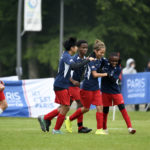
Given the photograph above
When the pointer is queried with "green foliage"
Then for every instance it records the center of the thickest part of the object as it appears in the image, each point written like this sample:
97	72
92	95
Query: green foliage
123	25
49	53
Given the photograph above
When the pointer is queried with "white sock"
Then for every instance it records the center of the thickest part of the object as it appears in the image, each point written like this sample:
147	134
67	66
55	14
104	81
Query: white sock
130	129
1	110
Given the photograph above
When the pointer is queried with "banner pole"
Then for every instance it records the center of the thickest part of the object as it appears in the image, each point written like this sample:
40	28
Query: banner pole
19	42
61	27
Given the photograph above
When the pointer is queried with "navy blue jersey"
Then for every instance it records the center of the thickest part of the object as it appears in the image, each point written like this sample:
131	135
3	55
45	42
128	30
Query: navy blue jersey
90	83
110	84
77	73
62	79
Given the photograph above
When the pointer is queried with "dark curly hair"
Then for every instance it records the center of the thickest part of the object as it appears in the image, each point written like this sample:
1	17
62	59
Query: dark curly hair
70	43
81	42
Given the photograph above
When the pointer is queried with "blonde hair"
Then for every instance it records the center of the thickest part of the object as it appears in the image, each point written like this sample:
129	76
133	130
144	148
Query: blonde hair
98	45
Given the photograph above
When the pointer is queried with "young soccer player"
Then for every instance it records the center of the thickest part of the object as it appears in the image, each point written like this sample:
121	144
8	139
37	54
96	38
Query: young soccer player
90	92
61	85
111	92
76	77
3	102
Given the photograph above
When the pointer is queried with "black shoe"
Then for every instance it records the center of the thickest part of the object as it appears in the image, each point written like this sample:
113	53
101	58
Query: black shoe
48	123
45	124
84	130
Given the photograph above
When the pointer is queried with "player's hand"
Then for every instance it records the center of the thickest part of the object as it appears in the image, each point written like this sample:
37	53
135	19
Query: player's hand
76	83
105	74
91	58
2	87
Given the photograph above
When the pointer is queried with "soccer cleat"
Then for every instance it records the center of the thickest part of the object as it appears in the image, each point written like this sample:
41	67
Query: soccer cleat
68	125
106	131
84	130
48	123
131	130
100	132
44	123
56	131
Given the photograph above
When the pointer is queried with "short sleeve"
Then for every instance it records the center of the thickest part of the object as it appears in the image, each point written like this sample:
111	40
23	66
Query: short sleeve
92	66
68	59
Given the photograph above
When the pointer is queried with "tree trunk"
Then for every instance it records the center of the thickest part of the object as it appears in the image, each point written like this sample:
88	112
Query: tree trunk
33	69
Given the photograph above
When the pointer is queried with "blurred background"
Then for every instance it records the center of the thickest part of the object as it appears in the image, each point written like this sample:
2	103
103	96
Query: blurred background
124	26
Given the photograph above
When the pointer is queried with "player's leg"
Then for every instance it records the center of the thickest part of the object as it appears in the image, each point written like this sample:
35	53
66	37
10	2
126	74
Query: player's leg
3	102
86	101
126	118
45	120
99	119
97	100
118	100
60	119
81	128
105	115
75	115
3	105
63	98
107	101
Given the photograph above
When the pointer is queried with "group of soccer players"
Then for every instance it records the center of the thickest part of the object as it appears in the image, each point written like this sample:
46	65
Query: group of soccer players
69	86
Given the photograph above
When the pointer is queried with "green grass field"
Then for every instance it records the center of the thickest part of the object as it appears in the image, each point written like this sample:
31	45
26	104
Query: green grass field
25	134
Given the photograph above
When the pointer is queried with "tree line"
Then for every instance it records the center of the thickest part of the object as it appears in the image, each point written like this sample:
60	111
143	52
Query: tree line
123	25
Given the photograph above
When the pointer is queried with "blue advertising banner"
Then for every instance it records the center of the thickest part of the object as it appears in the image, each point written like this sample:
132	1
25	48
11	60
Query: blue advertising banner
29	98
136	88
17	106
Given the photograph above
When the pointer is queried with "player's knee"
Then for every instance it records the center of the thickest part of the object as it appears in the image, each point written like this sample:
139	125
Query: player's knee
67	108
64	109
99	108
4	104
121	106
79	104
85	110
105	110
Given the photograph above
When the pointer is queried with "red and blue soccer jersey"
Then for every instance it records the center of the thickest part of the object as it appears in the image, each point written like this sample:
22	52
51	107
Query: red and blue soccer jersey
109	84
63	76
90	83
77	73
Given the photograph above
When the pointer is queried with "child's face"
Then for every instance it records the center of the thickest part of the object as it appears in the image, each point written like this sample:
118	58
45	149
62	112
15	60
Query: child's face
114	60
83	48
100	53
74	49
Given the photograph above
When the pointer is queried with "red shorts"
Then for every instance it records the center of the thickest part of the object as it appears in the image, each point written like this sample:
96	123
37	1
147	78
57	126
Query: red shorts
74	93
112	99
91	97
62	97
2	96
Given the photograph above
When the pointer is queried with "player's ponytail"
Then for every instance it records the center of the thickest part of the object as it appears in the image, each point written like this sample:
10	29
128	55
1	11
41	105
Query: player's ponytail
98	45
